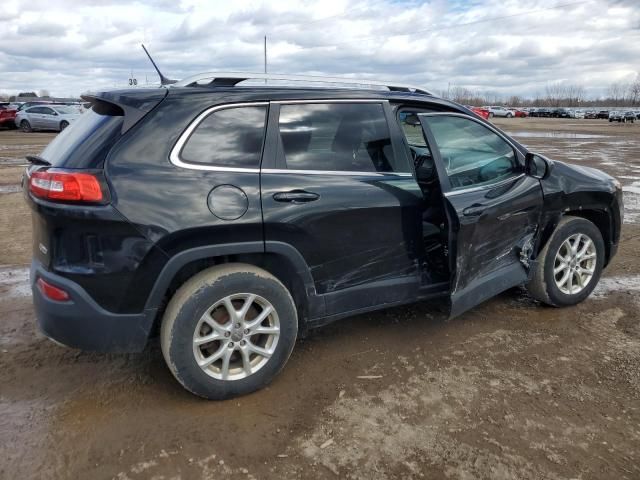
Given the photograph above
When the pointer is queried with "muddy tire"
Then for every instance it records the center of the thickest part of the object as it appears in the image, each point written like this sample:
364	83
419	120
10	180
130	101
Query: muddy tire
25	126
570	264
228	331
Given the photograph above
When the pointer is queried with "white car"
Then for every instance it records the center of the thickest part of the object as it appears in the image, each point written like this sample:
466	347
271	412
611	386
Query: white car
46	117
500	112
576	113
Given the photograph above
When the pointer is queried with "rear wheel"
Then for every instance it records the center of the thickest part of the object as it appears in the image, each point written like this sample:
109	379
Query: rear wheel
228	331
63	124
570	264
490	114
25	126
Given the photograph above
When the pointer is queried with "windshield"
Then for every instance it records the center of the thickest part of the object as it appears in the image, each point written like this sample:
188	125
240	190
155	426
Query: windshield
65	110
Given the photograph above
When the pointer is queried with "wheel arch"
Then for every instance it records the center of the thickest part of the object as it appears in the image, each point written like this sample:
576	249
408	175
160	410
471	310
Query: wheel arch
601	218
279	259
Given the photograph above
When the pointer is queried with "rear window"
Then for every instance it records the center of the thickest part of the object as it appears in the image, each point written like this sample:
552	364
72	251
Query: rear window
228	138
86	142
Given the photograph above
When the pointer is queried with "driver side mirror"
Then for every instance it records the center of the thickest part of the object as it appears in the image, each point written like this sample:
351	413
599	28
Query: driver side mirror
535	165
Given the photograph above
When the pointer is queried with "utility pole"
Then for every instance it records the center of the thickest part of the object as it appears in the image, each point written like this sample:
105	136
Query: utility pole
265	57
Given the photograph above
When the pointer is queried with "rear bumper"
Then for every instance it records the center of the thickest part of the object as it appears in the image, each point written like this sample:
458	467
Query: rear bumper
82	323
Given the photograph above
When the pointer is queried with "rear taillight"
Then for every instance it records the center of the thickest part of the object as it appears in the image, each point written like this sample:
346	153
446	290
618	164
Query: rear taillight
67	186
52	292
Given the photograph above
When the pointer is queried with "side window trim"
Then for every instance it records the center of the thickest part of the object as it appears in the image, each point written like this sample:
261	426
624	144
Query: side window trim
442	174
279	154
174	155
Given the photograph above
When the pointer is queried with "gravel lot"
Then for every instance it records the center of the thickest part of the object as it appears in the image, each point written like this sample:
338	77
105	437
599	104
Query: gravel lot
510	390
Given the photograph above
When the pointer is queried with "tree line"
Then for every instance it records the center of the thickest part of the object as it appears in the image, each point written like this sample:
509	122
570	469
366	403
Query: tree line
619	94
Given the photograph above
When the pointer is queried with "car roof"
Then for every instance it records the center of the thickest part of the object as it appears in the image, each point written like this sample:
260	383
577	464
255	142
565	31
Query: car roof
229	94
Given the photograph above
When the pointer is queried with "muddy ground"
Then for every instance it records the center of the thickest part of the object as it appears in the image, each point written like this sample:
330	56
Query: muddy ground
510	390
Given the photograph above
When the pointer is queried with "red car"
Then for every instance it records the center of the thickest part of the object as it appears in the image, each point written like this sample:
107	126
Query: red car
7	117
521	113
483	112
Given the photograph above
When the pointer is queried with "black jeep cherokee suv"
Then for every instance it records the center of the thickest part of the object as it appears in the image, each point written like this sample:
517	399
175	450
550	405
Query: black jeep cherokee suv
229	218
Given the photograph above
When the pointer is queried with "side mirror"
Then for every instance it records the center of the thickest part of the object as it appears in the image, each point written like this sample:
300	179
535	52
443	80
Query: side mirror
535	165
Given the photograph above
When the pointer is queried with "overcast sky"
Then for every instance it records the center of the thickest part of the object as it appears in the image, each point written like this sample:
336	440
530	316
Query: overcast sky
502	46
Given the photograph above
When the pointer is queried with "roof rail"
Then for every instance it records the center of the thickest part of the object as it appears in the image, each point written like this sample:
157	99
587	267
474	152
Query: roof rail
229	79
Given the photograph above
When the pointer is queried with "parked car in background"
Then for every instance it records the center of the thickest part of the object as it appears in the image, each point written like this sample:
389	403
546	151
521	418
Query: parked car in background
616	116
574	113
544	112
629	116
520	112
499	112
591	114
603	114
560	113
483	112
25	105
7	116
46	117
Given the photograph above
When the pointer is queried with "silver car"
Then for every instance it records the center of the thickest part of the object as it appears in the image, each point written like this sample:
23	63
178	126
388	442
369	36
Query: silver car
46	117
500	112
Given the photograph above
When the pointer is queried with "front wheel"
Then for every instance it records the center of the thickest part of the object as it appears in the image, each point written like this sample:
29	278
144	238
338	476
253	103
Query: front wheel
228	331
63	124
509	115
490	114
570	264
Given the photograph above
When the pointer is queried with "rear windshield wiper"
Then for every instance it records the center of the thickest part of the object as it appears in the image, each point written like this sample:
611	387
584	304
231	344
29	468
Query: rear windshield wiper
38	160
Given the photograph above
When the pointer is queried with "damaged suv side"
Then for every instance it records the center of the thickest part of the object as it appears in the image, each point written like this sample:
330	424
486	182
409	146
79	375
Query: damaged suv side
231	218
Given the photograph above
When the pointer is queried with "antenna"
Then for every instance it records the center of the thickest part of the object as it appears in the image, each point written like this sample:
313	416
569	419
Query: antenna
163	80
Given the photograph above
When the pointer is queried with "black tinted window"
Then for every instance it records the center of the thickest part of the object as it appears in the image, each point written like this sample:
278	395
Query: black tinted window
337	137
35	110
228	138
86	142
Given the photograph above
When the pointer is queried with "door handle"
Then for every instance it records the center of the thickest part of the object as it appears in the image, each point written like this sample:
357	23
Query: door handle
474	211
295	196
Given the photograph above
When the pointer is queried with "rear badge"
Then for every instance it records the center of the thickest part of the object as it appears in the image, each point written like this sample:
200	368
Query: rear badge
43	249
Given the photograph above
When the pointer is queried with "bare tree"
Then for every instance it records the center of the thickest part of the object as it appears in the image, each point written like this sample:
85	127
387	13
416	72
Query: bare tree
44	93
634	91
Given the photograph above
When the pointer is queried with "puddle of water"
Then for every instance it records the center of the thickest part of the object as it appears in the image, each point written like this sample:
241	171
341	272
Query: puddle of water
607	285
533	134
14	282
633	188
10	188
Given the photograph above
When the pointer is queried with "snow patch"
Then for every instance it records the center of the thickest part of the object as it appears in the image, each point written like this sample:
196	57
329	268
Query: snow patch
14	282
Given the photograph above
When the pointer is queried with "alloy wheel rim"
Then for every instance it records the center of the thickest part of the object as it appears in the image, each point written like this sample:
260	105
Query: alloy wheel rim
575	264
236	336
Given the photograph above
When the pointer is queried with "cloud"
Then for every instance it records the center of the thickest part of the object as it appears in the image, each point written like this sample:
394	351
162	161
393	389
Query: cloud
502	46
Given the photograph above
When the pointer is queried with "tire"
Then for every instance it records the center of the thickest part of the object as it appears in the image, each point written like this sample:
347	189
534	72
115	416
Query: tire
183	321
490	114
509	115
63	124
25	126
543	285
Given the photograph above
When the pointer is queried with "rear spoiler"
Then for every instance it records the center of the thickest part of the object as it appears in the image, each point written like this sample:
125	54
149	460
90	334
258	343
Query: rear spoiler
133	105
